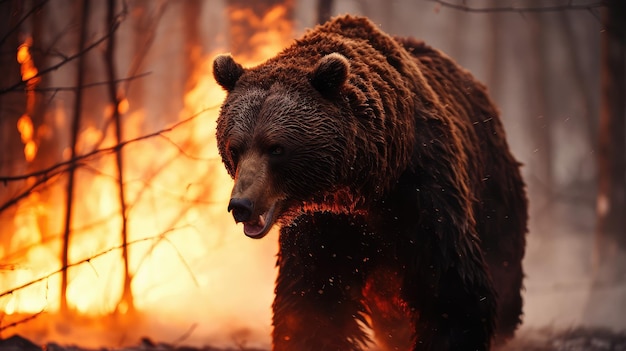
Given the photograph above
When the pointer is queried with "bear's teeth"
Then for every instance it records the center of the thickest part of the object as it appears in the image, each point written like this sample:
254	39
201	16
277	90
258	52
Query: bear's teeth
255	228
261	225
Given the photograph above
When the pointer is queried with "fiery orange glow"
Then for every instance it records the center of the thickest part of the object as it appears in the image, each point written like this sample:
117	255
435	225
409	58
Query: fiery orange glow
30	150
25	126
123	106
29	73
267	31
26	129
28	66
183	245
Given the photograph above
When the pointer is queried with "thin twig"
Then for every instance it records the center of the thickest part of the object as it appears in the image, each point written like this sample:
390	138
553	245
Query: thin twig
44	172
87	260
516	9
142	51
21	321
185	335
78	107
85	86
19	23
109	59
70	58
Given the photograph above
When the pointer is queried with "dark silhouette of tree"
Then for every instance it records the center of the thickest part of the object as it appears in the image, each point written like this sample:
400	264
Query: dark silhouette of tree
324	9
126	303
611	198
75	128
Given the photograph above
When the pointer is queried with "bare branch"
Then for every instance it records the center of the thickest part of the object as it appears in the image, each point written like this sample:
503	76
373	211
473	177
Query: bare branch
24	18
78	107
45	172
185	335
115	99
21	321
142	51
70	58
182	151
85	86
183	261
87	260
520	9
61	167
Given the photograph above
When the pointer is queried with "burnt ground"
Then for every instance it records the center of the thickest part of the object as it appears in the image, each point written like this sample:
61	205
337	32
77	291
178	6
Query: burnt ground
581	339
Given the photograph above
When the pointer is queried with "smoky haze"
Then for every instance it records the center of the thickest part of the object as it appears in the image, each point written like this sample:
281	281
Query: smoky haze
199	275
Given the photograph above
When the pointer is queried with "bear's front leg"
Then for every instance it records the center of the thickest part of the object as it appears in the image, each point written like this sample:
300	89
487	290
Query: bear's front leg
318	290
452	309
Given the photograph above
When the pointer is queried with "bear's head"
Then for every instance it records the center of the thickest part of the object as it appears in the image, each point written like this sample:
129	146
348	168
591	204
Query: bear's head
282	137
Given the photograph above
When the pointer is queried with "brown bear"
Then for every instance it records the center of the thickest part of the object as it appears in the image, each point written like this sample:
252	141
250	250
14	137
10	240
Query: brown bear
400	206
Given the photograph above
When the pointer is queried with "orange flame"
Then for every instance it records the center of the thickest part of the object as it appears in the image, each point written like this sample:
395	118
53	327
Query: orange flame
28	69
184	246
26	129
29	75
123	106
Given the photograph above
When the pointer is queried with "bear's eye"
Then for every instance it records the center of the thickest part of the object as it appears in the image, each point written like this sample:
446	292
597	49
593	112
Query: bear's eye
276	150
234	155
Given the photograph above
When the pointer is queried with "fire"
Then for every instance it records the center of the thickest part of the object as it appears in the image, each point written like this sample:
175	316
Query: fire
261	33
29	75
27	131
29	71
123	106
183	246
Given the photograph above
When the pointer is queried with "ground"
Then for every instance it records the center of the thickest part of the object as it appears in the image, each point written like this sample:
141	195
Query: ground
589	339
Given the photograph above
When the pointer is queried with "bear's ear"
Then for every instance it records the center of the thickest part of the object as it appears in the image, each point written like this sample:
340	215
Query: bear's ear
226	71
330	73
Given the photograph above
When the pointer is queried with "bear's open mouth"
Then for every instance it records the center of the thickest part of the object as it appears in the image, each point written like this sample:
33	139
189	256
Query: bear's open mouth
257	228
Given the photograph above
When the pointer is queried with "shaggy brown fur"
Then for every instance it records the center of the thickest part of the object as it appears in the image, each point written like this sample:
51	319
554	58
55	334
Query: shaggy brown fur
401	207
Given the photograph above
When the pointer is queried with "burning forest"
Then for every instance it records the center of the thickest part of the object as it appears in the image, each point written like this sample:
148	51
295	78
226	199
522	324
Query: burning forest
111	200
113	225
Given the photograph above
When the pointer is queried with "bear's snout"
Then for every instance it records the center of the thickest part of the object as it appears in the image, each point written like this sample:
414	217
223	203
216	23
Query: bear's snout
241	209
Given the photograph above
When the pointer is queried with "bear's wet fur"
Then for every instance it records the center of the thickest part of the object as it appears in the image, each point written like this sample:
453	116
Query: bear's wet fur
400	205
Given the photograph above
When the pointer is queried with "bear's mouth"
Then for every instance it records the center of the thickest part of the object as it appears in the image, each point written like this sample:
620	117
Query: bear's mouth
257	228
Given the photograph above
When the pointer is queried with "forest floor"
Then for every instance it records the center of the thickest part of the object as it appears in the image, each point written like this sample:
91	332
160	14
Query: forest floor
582	339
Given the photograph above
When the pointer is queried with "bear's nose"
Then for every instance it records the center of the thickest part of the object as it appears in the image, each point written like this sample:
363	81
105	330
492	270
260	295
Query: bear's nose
241	209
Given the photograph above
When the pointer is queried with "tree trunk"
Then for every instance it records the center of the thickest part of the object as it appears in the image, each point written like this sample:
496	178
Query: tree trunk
493	57
192	10
611	201
582	90
541	115
78	105
11	104
324	10
126	303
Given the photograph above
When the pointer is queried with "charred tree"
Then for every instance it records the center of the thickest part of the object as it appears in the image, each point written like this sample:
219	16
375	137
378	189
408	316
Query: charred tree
11	102
582	88
611	198
191	34
324	10
540	113
126	303
78	105
493	61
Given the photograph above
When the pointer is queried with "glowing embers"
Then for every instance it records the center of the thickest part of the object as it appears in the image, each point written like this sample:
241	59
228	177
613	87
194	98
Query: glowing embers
29	76
189	263
27	131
